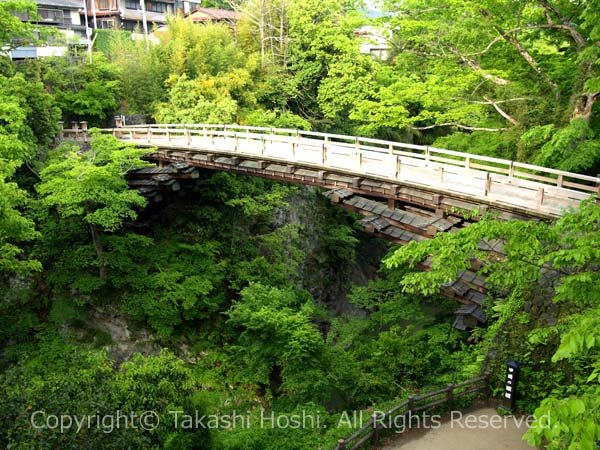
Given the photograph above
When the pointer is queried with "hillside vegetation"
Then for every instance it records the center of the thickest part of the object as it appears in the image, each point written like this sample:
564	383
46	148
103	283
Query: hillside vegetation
247	296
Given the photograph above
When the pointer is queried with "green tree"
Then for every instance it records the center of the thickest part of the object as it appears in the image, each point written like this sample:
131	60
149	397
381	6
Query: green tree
568	251
197	101
91	185
142	71
321	39
490	67
27	123
12	28
84	91
278	345
60	378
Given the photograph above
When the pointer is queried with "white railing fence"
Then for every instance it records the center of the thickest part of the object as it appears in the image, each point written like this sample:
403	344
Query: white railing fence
524	186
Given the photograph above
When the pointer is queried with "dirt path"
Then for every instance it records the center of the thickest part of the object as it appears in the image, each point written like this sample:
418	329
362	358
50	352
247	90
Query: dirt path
478	429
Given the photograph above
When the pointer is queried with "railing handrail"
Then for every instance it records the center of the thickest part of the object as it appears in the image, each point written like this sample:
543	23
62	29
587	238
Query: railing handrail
368	433
465	159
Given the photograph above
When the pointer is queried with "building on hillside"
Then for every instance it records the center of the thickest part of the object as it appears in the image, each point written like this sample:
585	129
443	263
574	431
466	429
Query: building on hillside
374	41
63	15
128	14
214	15
107	13
69	16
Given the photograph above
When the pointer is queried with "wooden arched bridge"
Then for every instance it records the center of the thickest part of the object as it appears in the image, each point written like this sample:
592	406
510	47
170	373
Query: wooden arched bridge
406	192
437	179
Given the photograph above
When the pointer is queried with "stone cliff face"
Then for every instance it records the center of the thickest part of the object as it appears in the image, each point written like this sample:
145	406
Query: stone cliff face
327	272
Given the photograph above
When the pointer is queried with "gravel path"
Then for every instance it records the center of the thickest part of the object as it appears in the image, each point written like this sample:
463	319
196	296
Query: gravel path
478	429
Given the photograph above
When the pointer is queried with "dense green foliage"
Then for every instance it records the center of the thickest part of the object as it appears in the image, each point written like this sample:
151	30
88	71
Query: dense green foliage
245	295
562	257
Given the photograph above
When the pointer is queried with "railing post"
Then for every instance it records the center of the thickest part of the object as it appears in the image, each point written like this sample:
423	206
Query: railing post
441	172
296	145
341	444
131	134
264	144
488	184
410	404
559	181
189	137
374	433
468	162
237	142
358	152
487	387
511	169
427	154
168	135
450	395
84	129
324	153
149	134
540	197
398	165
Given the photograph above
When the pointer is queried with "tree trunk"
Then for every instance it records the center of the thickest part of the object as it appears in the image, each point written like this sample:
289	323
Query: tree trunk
261	30
512	40
282	33
584	105
97	246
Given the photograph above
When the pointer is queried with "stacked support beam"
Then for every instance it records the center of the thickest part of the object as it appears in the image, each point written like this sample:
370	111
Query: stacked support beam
404	226
152	182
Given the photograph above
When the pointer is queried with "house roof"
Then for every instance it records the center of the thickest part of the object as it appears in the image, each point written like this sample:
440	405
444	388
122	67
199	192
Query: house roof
212	14
70	4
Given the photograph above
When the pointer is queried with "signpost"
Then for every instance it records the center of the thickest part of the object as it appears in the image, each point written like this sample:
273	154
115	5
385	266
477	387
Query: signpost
510	387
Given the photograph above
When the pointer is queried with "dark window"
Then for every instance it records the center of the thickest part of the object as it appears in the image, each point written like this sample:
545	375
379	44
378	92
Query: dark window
106	24
131	26
132	4
51	15
67	17
159	7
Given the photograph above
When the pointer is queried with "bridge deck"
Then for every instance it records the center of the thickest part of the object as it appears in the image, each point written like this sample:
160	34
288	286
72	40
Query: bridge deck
524	189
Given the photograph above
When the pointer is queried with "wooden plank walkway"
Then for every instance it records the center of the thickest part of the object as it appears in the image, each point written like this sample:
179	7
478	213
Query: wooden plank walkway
523	189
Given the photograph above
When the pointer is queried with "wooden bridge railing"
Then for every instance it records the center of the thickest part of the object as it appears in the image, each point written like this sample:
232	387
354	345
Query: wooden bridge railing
369	433
532	188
